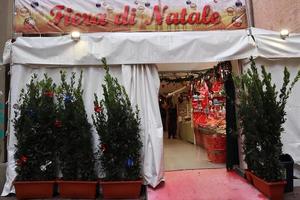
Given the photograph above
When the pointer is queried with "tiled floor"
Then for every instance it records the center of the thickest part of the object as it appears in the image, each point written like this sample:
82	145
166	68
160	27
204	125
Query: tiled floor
180	155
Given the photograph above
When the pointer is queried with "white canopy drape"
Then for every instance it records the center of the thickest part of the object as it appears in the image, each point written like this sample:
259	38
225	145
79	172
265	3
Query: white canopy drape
142	84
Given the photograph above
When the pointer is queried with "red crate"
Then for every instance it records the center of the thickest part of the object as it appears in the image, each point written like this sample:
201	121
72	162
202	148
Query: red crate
216	156
215	142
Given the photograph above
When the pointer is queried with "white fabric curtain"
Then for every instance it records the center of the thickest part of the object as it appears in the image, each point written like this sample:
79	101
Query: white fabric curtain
142	85
93	78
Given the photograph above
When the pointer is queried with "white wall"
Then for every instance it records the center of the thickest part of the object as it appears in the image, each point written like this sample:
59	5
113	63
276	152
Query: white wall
6	14
277	14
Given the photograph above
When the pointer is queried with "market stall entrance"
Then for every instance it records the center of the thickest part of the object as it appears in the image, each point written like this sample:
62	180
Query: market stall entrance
178	47
192	99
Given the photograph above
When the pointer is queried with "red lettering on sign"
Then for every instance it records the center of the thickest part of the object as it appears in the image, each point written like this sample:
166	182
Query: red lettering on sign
157	15
215	18
56	12
183	15
60	13
132	19
194	18
67	16
127	17
172	18
205	13
77	19
102	19
86	19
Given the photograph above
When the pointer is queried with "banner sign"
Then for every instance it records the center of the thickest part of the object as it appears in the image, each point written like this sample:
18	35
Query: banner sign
64	16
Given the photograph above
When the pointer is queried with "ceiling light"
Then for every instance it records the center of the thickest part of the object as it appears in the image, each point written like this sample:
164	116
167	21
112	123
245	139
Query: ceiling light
284	33
75	35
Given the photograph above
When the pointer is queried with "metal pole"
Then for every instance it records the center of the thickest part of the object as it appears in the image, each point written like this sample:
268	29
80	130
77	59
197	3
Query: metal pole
249	11
13	35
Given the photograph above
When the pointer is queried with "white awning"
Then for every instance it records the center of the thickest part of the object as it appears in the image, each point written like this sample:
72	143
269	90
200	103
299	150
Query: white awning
269	44
160	47
134	48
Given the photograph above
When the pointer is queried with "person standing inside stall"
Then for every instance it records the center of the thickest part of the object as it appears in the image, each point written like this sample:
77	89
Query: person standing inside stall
163	112
172	120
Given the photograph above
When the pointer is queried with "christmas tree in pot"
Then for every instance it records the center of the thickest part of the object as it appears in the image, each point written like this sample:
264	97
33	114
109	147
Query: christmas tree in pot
35	133
75	141
118	126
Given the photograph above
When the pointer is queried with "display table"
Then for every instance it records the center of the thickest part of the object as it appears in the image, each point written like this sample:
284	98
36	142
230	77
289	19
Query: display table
213	142
186	132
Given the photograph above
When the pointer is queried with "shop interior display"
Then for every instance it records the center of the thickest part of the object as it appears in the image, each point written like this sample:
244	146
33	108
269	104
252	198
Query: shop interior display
201	103
209	106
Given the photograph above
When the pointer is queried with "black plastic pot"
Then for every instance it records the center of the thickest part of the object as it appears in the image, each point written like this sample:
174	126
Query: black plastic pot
288	163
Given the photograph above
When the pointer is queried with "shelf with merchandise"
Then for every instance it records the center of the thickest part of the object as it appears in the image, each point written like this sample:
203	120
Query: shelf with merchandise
209	119
209	110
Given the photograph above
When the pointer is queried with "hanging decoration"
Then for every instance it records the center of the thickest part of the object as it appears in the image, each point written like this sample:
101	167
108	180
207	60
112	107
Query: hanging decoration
68	99
16	106
238	3
97	109
44	167
103	147
30	113
130	162
34	4
22	160
218	71
49	94
58	123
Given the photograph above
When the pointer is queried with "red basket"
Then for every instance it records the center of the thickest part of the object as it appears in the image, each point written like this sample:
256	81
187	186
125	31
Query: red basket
216	156
215	142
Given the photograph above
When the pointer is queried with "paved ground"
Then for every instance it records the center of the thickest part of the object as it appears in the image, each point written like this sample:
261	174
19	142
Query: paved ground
204	184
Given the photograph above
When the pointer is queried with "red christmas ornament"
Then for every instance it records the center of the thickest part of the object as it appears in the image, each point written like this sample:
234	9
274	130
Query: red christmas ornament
19	162
23	159
97	109
49	94
58	123
103	147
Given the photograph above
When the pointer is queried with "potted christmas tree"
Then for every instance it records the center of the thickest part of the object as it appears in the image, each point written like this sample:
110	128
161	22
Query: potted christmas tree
118	127
262	114
75	146
34	129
